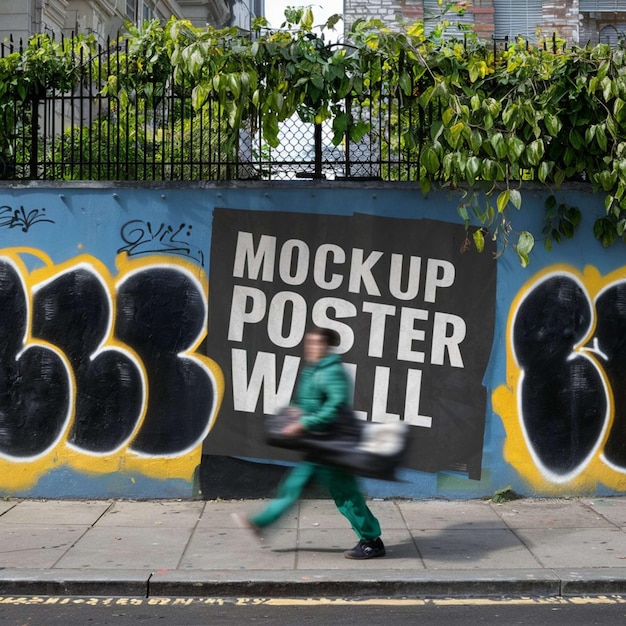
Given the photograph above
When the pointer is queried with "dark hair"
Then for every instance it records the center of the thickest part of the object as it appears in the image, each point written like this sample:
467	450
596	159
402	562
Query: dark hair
331	337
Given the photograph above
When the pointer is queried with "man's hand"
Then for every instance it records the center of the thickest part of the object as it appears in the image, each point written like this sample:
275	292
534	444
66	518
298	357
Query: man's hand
295	429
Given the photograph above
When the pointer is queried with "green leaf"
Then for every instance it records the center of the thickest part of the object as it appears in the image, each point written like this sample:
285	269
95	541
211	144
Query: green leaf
574	215
405	83
234	84
515	148
499	145
576	139
511	116
196	61
515	198
455	133
607	88
488	169
359	130
430	160
318	81
475	141
479	240
525	244
472	168
553	124
535	152
601	137
341	122
606	179
544	170
447	116
199	96
307	19
503	200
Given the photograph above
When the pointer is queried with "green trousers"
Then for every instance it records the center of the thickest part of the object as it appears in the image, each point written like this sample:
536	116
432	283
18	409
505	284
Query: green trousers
343	488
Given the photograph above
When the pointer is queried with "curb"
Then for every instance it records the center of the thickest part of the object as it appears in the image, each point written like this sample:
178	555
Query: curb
370	584
312	584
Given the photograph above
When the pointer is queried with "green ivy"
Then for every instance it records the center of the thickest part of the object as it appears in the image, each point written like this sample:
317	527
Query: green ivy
496	117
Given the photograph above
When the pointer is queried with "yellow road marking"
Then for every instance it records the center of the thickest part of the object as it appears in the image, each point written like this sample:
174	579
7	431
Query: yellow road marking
283	602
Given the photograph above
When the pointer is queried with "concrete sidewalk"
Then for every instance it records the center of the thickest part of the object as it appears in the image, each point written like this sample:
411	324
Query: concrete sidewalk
435	548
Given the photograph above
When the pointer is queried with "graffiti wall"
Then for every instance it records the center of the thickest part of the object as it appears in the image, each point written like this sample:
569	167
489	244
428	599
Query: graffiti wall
147	331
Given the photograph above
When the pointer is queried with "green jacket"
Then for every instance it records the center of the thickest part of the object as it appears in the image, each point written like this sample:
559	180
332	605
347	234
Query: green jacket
323	388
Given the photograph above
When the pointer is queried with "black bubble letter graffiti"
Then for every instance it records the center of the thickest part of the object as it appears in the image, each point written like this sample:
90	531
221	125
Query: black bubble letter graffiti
611	342
34	382
161	312
73	312
563	401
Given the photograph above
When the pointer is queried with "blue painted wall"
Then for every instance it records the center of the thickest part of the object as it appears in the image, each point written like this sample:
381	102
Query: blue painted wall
106	290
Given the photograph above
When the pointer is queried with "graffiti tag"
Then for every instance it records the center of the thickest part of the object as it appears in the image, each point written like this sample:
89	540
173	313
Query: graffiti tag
143	237
20	218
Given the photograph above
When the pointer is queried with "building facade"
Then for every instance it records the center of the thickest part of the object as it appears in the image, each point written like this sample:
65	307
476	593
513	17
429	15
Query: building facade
578	21
104	18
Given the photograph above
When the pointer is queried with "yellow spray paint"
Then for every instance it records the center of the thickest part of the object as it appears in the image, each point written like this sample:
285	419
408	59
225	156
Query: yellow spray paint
517	450
21	474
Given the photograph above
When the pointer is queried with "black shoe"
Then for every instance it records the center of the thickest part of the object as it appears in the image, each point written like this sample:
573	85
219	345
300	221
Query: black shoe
366	550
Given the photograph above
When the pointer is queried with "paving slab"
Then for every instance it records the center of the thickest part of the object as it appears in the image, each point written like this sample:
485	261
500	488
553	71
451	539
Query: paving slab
237	548
576	547
289	520
474	549
122	547
218	514
551	514
56	512
36	546
322	549
612	509
6	505
145	514
434	514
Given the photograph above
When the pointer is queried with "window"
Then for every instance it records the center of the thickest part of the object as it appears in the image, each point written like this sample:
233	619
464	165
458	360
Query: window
613	34
602	5
139	10
131	10
148	10
517	17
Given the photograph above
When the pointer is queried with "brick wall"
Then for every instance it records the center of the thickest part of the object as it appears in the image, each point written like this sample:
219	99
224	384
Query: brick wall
389	11
394	12
560	16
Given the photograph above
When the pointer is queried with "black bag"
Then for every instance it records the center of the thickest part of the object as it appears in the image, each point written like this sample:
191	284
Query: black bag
369	449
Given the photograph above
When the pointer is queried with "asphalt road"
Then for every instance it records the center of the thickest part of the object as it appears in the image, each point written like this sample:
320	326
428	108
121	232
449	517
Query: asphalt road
59	611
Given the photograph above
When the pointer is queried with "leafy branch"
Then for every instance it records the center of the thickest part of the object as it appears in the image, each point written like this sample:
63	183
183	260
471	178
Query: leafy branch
490	118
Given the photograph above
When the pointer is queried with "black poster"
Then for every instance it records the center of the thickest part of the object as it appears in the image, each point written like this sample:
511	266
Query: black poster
414	312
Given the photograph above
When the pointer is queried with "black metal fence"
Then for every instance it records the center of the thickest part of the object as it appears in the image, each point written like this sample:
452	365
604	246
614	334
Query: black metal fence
84	135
